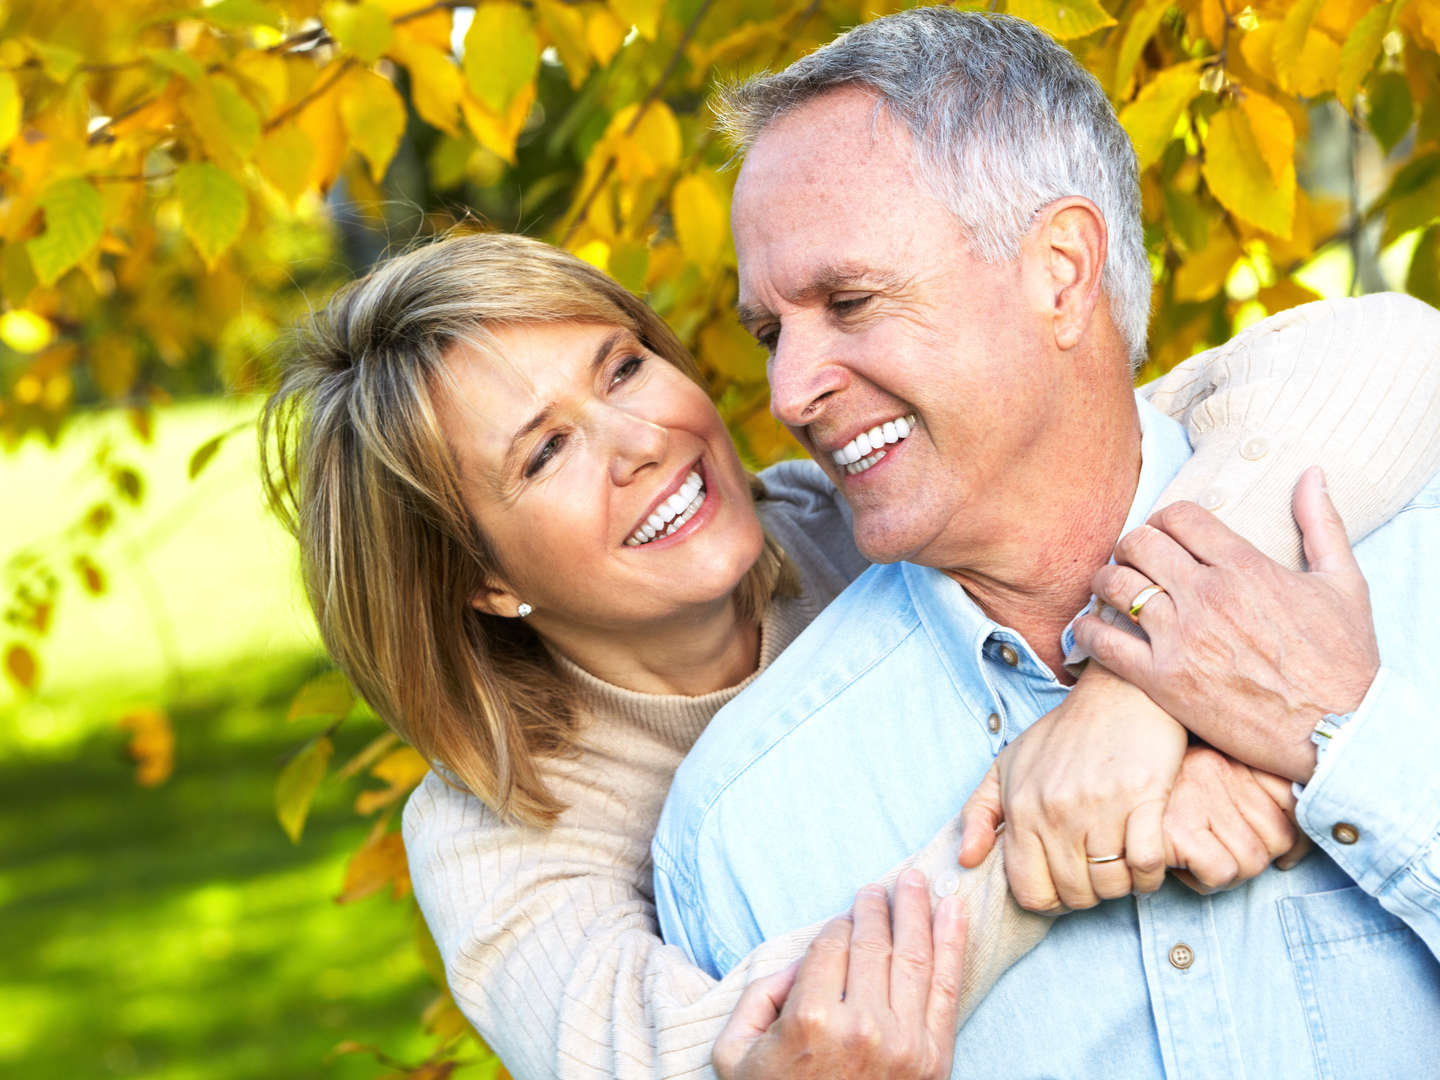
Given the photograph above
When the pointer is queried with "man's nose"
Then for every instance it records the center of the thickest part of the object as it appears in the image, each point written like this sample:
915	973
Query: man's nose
803	372
634	442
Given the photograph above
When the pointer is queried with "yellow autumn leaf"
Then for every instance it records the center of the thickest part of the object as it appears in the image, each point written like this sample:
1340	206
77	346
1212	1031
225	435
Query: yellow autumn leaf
74	223
725	347
564	24
1258	48
436	84
1063	19
224	119
1274	133
1317	68
321	123
604	34
20	665
653	145
151	746
286	158
402	767
374	116
361	29
702	224
1359	53
497	132
213	208
1203	273
10	109
1138	32
1151	118
327	697
502	54
432	28
644	15
1290	38
1238	176
379	863
295	788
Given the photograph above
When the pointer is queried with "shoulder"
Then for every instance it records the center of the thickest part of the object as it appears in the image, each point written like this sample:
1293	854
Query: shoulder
804	512
816	671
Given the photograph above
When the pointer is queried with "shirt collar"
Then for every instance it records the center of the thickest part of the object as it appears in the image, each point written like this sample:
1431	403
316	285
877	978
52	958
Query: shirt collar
962	630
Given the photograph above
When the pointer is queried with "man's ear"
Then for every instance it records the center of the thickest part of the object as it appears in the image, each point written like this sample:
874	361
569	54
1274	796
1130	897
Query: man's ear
1068	241
496	599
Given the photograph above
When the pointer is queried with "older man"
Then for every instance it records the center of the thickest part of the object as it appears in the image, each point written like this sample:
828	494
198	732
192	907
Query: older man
938	237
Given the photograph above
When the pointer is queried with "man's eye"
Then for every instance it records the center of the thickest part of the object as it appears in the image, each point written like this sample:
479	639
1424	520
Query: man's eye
631	365
768	336
848	305
548	450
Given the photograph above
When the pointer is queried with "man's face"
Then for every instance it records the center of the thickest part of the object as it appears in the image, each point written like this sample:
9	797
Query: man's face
876	316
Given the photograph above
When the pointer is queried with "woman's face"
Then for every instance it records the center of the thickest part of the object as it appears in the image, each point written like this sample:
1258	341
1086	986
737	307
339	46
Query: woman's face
603	477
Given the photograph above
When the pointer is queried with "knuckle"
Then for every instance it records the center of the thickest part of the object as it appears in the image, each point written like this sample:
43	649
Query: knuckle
812	1020
1177	517
871	945
862	1035
912	958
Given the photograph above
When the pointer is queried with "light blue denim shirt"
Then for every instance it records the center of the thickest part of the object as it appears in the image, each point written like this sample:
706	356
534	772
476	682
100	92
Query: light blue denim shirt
872	729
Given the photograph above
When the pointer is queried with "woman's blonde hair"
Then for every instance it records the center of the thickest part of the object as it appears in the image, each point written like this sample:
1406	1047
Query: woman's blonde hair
355	463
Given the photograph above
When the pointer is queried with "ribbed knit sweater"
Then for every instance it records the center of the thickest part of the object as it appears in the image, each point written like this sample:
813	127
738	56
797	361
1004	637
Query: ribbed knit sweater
549	936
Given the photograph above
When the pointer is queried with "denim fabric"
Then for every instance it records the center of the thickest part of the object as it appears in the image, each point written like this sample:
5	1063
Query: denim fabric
871	730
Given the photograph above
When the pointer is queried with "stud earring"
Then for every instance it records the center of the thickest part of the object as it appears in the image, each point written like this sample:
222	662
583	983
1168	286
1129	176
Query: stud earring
523	610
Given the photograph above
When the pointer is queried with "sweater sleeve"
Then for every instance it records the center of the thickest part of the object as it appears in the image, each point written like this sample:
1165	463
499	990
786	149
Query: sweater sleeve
552	952
1351	385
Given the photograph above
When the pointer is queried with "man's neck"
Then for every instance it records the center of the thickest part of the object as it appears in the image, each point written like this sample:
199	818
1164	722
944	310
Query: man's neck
1038	577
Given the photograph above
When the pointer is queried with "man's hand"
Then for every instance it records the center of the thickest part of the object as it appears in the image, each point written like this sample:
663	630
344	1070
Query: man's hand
1089	778
861	1004
1246	654
1226	822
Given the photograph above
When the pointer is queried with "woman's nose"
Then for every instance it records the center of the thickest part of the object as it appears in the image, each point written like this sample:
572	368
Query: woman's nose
635	443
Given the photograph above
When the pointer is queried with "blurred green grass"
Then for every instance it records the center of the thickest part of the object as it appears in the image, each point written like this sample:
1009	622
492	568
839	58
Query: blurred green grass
175	932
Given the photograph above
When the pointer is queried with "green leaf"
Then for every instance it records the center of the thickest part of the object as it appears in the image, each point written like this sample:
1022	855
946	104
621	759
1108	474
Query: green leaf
11	109
295	788
1391	110
240	14
502	53
1423	279
178	62
374	117
74	224
213	208
59	61
362	29
1413	197
238	116
204	453
326	696
1063	19
1237	174
1358	53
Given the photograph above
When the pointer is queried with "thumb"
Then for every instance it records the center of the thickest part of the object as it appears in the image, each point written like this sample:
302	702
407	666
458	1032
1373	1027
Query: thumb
1327	548
758	1008
980	817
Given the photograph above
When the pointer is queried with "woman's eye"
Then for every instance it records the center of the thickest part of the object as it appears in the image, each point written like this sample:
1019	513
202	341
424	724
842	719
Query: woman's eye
626	368
548	450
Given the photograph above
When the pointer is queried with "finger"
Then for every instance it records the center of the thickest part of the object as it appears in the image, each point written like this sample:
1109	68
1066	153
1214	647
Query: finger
759	1006
1067	868
820	982
1120	586
912	955
942	1008
1124	654
1208	539
1244	844
867	982
1327	548
1145	846
1270	824
1029	874
1110	880
1291	858
1159	556
1207	859
979	818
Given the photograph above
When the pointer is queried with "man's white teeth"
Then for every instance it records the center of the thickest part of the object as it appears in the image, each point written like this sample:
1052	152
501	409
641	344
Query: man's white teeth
868	447
672	513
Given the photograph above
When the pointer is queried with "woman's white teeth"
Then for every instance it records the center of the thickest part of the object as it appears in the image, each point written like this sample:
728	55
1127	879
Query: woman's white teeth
868	447
672	513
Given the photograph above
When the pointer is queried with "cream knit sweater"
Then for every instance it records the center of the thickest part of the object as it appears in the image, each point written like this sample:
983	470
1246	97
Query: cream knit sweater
549	936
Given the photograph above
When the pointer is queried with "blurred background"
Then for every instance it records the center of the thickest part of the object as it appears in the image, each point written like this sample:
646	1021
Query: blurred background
201	874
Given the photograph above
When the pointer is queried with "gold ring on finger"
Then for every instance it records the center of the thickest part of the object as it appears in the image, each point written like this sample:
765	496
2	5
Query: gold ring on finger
1143	597
1096	860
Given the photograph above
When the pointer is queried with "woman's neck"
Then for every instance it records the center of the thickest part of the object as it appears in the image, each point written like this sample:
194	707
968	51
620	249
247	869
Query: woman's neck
697	653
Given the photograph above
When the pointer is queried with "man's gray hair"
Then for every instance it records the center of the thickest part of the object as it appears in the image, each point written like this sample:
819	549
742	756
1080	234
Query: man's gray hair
1004	122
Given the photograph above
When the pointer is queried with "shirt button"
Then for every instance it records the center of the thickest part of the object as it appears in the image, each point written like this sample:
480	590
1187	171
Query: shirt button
946	884
1182	956
1254	449
1345	833
1212	499
994	721
1009	655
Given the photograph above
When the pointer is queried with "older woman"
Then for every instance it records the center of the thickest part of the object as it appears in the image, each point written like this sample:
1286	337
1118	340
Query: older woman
529	542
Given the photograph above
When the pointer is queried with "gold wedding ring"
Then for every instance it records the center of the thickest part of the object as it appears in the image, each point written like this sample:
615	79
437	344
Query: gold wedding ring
1143	597
1096	860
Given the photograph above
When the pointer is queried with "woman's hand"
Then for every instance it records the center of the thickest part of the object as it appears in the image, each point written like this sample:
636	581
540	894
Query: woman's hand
1226	822
1089	779
861	1003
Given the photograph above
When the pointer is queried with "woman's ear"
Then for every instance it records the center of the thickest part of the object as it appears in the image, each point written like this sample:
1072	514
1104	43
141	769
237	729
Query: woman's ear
497	600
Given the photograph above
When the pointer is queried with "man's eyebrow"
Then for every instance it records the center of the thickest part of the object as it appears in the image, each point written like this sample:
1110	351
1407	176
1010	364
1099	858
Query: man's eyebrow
832	277
541	418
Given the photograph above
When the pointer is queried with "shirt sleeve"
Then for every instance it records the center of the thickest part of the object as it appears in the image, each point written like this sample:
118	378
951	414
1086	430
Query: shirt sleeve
1373	804
1350	385
552	952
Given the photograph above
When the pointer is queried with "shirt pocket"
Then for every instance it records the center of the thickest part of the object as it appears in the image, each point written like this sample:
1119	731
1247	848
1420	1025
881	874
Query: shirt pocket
1368	985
